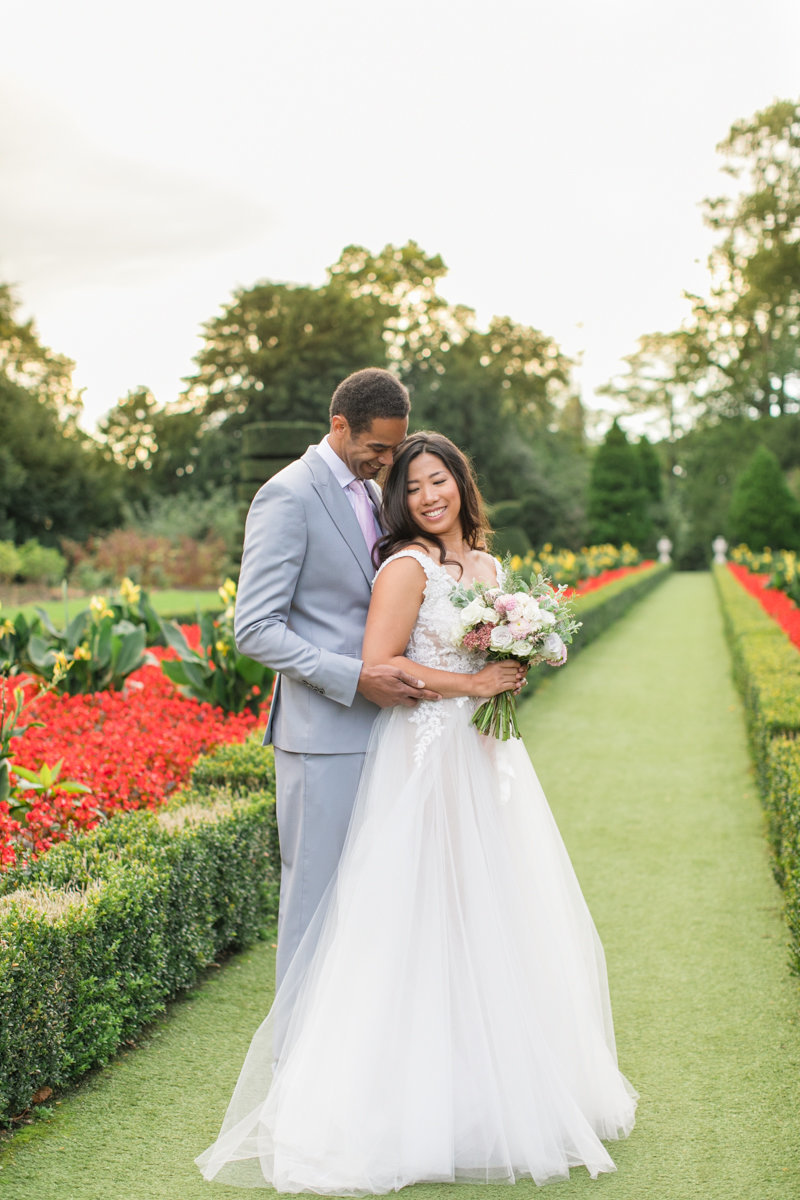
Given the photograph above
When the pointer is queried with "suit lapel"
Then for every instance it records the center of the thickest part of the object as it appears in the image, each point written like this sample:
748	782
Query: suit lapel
340	510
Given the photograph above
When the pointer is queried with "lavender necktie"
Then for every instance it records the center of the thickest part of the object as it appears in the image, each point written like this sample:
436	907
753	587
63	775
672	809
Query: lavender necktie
363	510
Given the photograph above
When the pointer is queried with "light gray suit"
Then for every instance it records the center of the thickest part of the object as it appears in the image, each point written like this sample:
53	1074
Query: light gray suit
302	601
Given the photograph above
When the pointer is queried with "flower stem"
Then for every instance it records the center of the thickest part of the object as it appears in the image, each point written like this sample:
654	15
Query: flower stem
497	717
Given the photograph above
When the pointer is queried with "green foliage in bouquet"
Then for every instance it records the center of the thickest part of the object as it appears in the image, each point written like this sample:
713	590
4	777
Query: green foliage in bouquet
217	673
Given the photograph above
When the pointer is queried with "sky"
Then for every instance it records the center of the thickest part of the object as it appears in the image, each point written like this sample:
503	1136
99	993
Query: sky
157	156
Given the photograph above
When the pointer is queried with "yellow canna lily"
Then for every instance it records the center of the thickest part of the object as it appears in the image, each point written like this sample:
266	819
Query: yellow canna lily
227	592
129	591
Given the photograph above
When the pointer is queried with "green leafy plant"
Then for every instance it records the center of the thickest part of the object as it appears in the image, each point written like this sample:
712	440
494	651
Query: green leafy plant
41	784
216	673
14	638
101	650
785	575
21	794
133	605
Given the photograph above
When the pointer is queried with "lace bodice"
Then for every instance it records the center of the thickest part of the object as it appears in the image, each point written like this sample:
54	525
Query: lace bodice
430	646
429	643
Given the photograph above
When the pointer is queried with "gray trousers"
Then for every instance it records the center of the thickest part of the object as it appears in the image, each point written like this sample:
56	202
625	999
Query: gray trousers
314	800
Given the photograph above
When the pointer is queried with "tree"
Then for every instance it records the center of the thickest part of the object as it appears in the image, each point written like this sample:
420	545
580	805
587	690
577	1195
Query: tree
738	352
650	469
27	363
128	433
163	450
747	330
278	351
618	499
763	512
53	483
53	480
399	284
661	384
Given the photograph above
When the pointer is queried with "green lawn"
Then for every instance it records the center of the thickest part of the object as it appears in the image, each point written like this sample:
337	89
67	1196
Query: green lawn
170	602
640	745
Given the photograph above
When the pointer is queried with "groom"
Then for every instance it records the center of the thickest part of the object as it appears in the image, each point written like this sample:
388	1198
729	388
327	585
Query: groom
301	606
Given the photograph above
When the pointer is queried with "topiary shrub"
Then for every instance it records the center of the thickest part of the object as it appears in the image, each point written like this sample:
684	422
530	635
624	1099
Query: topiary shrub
763	512
618	499
511	540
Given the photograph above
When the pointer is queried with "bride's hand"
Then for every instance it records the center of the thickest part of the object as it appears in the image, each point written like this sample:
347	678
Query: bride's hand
496	677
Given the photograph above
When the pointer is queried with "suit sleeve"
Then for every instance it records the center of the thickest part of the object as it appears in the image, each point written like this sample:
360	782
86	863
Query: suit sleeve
274	551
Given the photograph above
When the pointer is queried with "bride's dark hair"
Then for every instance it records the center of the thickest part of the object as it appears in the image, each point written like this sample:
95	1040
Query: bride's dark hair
401	529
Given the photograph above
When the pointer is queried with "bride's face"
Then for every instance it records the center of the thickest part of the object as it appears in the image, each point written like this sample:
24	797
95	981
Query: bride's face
433	498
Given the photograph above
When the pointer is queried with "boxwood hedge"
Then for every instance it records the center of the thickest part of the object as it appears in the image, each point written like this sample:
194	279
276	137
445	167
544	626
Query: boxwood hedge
766	668
98	934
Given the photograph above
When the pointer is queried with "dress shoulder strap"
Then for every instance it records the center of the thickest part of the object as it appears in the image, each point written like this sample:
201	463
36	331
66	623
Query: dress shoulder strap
425	561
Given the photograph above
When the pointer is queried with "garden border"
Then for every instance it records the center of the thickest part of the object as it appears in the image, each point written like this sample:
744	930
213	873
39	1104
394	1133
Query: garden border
766	669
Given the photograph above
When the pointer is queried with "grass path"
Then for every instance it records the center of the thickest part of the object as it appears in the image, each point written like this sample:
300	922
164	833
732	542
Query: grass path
640	745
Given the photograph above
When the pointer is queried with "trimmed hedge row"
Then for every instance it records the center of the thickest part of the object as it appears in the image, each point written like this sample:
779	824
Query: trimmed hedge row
601	609
105	928
766	668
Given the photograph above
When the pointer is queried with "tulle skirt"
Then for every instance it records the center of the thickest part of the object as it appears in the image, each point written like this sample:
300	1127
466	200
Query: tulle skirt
447	1015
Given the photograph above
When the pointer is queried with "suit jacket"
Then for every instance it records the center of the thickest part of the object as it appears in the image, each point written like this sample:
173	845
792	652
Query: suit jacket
301	606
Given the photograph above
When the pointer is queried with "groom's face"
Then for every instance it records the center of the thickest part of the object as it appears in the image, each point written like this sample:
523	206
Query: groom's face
368	452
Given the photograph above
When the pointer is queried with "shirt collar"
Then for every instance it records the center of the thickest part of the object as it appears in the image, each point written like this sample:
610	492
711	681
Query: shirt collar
341	472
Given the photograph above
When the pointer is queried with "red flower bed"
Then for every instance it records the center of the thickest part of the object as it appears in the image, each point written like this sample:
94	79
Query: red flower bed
132	748
777	604
598	581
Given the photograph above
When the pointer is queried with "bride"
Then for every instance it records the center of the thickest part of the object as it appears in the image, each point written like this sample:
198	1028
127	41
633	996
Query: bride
446	1016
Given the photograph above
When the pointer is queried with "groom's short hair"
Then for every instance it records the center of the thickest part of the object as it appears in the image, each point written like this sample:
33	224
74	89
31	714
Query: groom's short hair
369	394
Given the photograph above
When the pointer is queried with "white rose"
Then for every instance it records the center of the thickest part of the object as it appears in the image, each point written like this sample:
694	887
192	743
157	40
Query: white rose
456	634
501	638
489	616
473	613
520	649
554	649
546	617
533	615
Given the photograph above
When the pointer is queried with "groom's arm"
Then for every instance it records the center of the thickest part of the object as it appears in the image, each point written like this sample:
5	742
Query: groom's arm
275	546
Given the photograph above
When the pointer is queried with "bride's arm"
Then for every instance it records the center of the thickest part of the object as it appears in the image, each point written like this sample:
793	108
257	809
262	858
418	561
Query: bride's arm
396	599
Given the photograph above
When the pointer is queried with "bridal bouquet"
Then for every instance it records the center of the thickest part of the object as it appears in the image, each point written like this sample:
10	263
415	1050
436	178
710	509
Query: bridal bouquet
532	622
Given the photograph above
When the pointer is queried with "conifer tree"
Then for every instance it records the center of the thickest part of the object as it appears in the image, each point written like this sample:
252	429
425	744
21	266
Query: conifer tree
650	468
618	498
763	512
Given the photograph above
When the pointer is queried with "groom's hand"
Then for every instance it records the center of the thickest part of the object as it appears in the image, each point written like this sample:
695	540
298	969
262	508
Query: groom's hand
387	686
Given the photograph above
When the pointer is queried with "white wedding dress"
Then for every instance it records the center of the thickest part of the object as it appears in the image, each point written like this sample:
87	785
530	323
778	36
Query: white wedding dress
447	1015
